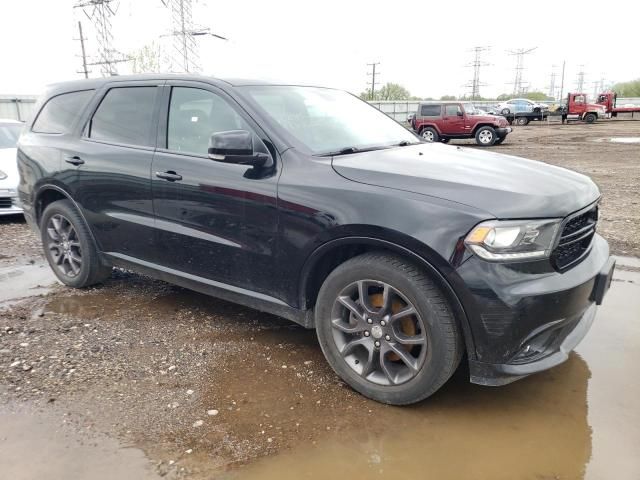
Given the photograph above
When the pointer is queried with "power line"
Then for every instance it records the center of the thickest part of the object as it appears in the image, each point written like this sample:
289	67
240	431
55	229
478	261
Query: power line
184	56
100	12
476	64
552	82
518	84
373	74
580	80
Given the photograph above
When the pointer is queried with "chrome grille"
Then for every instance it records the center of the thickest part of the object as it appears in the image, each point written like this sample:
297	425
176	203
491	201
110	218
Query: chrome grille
575	239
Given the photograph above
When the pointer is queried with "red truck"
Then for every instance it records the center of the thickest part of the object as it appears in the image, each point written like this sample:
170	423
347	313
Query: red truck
578	108
609	99
443	121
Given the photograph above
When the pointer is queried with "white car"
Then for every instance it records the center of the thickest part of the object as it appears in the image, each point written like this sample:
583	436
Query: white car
9	133
519	105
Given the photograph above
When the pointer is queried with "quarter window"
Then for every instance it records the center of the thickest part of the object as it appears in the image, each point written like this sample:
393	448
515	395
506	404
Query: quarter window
430	110
59	113
194	115
125	115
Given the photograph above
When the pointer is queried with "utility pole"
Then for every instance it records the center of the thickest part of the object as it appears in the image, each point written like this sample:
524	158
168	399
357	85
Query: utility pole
99	12
476	64
84	53
373	74
518	84
562	80
184	56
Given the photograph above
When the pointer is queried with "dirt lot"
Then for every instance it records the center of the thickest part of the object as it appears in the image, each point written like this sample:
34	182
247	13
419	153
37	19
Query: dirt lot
199	388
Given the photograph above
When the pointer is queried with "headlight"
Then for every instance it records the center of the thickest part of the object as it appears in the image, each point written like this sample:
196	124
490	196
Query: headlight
513	239
3	175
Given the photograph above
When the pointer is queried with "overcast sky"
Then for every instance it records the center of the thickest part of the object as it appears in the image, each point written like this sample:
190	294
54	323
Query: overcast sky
421	45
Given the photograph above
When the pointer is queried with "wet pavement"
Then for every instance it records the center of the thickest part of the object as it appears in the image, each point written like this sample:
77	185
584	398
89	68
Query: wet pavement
279	410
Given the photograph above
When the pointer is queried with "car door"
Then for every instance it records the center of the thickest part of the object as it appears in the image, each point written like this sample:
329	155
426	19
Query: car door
217	221
453	120
109	167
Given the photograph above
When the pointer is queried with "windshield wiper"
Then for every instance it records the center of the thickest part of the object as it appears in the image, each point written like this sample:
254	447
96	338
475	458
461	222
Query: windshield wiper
349	150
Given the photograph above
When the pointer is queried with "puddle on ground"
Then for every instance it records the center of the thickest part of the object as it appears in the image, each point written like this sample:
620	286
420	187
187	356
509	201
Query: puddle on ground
38	445
618	139
579	420
25	281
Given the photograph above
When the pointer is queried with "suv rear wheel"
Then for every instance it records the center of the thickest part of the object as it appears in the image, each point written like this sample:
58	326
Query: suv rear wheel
486	136
69	247
386	329
429	134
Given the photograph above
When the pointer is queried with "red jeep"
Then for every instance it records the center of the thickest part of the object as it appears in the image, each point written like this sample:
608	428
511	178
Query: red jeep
440	122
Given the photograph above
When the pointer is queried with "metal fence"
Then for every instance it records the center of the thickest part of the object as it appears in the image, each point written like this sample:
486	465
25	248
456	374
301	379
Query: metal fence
401	109
17	107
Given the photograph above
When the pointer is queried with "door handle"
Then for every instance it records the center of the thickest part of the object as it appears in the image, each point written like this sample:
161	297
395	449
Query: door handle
73	160
170	176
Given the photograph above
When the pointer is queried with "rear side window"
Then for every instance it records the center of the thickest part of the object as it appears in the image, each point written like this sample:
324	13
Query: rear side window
430	111
59	112
125	115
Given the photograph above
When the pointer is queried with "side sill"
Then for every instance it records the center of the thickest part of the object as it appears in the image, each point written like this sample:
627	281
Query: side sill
241	296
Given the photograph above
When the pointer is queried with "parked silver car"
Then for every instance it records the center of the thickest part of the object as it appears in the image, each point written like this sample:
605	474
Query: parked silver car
9	133
519	105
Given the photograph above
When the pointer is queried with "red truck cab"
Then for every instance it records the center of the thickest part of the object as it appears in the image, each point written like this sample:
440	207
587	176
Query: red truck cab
579	109
443	121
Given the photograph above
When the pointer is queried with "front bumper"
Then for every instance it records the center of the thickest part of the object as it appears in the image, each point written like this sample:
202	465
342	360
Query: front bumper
502	131
10	206
527	317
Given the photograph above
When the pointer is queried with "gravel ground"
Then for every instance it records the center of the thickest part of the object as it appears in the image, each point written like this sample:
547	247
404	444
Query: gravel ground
202	385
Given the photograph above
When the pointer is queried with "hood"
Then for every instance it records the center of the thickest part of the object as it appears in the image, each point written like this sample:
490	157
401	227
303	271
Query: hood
501	185
9	165
499	119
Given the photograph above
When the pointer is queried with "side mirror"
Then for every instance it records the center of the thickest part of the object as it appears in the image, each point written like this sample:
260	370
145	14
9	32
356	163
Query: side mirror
235	146
460	114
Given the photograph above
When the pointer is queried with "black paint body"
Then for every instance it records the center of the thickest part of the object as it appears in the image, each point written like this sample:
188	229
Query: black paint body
267	237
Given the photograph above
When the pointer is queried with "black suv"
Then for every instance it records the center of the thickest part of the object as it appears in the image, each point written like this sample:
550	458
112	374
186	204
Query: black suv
310	204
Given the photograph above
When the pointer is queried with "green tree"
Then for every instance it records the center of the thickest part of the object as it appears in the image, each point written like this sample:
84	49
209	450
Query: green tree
447	97
627	89
393	91
146	59
535	96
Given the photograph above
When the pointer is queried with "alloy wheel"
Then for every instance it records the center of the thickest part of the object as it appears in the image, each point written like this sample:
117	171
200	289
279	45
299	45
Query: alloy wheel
379	332
485	136
427	135
64	246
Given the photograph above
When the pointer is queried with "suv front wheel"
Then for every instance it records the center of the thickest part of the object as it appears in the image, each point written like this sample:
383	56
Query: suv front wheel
386	329
486	136
69	247
430	134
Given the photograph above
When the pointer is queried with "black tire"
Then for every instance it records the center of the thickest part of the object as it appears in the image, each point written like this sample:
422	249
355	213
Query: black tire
590	117
486	136
499	140
81	266
505	111
443	341
430	134
522	121
445	140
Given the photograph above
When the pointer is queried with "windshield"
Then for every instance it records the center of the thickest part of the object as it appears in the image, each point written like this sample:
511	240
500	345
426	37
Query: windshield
9	135
329	121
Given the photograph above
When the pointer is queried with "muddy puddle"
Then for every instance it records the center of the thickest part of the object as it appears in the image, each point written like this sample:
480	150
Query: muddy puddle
208	389
39	445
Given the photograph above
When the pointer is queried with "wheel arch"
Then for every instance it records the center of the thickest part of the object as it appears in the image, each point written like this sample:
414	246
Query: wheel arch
325	258
50	193
479	126
429	125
